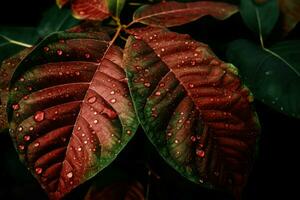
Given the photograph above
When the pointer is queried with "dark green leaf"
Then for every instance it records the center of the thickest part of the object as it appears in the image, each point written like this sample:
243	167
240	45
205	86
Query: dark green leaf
54	20
273	78
116	6
264	15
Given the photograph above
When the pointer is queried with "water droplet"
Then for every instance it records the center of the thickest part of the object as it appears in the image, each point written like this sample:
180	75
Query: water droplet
60	73
46	49
162	49
161	85
176	141
92	99
16	106
22	79
77	73
29	88
95	113
147	84
85	142
191	85
38	170
31	128
70	175
267	73
21	147
281	108
169	134
113	101
200	153
87	55
201	181
25	97
157	93
37	144
20	129
193	138
95	121
39	116
27	137
59	52
195	54
79	128
128	132
112	92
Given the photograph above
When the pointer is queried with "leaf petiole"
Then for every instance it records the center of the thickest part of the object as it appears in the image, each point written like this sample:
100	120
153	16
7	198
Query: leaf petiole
15	41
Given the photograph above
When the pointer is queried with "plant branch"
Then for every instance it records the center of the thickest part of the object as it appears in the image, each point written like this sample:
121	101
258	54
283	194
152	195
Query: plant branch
15	41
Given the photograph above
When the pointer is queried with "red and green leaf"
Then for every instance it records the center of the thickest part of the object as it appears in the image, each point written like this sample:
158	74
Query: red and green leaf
192	106
168	14
129	190
70	112
7	69
291	13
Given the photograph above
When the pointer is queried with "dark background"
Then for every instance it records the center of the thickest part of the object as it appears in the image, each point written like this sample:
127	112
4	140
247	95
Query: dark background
276	171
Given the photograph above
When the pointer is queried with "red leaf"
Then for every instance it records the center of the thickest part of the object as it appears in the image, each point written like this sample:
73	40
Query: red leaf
71	113
90	9
168	14
7	69
117	191
192	106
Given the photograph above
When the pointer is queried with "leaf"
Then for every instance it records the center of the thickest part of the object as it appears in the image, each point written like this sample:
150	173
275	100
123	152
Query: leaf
291	13
263	15
70	112
168	14
192	107
116	6
121	190
54	20
90	9
61	3
274	79
6	71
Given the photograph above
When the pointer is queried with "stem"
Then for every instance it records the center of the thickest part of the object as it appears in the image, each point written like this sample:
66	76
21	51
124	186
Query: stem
259	29
16	42
115	36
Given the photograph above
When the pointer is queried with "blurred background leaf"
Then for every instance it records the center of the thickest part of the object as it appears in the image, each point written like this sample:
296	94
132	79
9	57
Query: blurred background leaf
273	74
263	13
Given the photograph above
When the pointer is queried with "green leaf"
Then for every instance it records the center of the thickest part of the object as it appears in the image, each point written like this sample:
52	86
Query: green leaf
116	6
70	113
54	20
192	107
272	74
263	14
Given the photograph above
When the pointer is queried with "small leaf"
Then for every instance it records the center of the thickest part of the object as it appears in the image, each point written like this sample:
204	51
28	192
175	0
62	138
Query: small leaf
192	107
291	13
54	20
6	71
273	78
117	191
61	3
69	109
168	14
90	9
260	15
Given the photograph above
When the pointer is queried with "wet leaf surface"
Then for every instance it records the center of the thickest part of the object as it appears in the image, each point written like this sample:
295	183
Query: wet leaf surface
192	106
70	112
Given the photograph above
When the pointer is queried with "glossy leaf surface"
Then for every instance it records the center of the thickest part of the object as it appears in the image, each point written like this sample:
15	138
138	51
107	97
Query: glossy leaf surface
273	79
168	14
192	106
70	112
90	9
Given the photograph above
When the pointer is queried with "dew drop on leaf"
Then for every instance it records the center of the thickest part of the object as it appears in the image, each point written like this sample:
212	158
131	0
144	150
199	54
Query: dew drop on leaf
157	93
200	153
147	84
70	175
59	52
20	129
16	106
27	137
87	55
39	116
46	49
38	170
37	144
21	147
95	121
113	101
191	85
92	99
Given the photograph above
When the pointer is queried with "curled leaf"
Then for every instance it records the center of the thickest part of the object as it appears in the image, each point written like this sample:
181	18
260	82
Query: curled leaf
70	112
192	106
168	14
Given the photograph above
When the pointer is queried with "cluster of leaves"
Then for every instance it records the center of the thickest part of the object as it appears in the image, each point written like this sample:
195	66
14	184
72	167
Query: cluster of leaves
74	100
